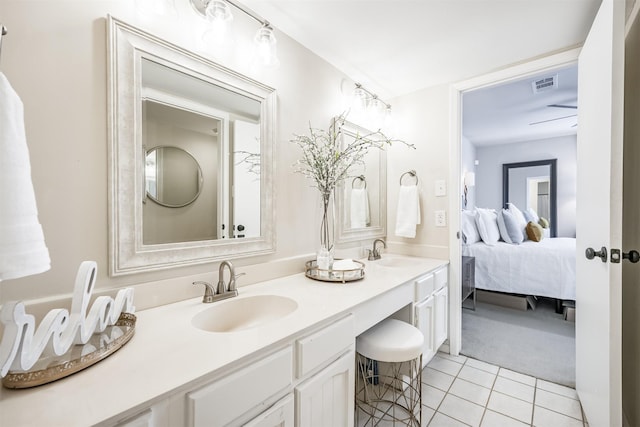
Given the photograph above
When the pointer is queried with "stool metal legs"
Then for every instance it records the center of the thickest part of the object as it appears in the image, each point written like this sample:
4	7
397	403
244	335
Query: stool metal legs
388	393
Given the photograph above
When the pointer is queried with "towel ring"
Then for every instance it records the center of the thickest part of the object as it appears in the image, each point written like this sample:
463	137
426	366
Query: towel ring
361	178
412	173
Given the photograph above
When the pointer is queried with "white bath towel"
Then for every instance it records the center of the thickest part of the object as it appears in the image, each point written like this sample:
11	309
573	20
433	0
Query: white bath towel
360	216
22	248
408	213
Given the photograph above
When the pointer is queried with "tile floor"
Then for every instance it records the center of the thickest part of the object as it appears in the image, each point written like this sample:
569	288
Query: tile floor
459	391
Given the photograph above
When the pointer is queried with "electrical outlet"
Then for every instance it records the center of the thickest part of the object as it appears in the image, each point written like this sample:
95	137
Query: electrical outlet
441	218
441	187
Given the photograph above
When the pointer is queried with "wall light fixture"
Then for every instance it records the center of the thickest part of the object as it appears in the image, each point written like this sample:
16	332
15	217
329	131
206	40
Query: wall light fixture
371	109
218	13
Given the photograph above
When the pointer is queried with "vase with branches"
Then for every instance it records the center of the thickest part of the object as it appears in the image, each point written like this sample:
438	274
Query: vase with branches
326	161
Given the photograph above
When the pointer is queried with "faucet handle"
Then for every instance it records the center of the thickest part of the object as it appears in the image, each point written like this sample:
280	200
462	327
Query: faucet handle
232	281
208	291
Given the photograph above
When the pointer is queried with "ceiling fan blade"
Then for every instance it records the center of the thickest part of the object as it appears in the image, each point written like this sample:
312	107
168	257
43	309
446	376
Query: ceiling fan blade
551	120
563	106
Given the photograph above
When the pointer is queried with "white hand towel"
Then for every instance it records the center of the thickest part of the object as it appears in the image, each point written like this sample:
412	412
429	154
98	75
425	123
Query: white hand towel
22	248
345	264
408	213
360	216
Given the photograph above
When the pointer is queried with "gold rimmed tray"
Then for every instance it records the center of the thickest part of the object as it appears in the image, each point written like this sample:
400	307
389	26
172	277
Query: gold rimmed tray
79	357
312	271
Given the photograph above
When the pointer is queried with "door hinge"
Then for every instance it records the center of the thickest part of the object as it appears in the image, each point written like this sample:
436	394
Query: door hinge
615	256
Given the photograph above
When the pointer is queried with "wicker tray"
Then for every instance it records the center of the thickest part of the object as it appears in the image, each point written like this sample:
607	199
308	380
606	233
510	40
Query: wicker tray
312	271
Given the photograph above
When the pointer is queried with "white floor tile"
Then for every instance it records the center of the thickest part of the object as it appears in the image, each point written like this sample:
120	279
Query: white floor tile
494	419
484	366
514	389
459	358
477	376
557	403
437	379
441	420
545	418
431	396
445	365
427	414
510	406
516	376
557	389
462	410
470	391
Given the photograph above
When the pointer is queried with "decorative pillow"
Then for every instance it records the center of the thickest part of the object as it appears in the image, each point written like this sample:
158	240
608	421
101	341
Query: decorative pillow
519	217
533	214
509	227
487	222
534	231
469	228
527	216
544	223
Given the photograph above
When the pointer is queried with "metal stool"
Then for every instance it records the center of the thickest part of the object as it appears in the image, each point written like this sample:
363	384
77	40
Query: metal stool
389	375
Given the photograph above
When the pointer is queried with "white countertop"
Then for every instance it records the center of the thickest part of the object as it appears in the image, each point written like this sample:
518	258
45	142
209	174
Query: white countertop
167	351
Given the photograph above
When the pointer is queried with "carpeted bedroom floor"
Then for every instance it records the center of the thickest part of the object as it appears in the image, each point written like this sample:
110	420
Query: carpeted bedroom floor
536	342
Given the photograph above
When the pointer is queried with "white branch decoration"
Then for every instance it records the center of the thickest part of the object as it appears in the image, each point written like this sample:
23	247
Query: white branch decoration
22	345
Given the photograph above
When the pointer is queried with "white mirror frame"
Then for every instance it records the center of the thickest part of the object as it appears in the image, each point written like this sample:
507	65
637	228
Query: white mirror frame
127	253
346	235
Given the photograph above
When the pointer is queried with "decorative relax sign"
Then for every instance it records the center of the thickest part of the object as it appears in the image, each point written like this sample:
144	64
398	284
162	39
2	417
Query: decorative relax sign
23	345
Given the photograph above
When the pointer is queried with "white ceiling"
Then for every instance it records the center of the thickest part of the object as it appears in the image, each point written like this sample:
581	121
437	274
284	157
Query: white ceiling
400	46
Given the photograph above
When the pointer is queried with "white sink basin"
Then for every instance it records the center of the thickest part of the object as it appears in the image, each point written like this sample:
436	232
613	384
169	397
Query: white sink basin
396	262
243	313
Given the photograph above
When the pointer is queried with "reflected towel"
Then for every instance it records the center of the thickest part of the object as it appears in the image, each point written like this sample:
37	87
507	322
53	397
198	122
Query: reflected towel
22	248
360	217
408	213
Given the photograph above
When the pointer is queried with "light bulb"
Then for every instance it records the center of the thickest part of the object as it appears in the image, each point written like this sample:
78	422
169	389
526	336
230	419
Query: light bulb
266	43
218	11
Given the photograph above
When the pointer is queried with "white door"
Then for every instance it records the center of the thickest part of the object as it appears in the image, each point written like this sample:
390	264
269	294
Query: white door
599	217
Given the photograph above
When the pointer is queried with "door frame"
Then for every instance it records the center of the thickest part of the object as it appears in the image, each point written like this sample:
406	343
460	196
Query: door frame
505	75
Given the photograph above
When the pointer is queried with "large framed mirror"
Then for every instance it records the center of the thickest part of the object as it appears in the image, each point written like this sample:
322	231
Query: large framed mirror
532	185
191	157
362	198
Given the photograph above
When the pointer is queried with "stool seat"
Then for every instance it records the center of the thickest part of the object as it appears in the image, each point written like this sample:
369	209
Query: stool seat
391	340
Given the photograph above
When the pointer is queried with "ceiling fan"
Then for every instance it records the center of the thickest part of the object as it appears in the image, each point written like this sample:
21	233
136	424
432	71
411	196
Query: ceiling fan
575	107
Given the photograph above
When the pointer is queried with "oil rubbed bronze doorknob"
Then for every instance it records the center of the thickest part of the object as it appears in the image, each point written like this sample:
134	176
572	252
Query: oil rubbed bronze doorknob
591	253
633	256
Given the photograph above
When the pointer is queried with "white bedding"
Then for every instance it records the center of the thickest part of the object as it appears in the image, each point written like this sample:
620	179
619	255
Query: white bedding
546	268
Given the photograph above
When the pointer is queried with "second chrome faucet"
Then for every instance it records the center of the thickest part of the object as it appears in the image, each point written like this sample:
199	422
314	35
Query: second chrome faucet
223	291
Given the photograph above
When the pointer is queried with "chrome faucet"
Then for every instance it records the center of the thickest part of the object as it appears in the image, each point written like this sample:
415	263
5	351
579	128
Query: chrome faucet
223	291
375	253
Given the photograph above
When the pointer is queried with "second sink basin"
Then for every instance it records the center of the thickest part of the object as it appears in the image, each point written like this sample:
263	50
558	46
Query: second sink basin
243	313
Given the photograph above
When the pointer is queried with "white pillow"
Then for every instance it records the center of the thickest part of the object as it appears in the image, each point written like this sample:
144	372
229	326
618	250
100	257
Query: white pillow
534	215
487	222
469	228
509	227
520	219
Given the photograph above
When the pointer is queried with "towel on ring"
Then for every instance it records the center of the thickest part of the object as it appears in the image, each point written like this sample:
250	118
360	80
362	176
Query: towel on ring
360	216
22	248
408	213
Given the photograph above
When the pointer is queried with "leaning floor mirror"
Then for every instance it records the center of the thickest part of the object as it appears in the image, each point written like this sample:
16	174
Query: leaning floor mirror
190	158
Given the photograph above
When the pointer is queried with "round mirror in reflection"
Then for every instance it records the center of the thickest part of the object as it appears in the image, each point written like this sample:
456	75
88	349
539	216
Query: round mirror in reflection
173	177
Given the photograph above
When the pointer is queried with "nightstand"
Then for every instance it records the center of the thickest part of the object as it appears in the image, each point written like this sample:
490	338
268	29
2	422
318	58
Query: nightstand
469	281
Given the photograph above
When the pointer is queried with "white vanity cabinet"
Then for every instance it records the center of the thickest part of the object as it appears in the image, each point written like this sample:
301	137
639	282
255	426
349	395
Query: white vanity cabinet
430	313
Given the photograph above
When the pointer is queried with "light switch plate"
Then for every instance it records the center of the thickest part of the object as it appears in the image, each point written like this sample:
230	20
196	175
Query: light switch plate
441	218
441	187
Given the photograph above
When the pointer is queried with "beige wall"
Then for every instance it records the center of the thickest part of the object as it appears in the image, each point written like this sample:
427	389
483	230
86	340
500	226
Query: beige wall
55	56
422	120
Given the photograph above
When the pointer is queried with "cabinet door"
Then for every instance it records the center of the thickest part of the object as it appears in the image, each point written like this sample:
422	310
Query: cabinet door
424	321
279	415
327	398
440	315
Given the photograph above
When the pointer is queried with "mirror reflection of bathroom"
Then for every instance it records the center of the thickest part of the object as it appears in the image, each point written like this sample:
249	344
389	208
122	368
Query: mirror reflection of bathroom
538	192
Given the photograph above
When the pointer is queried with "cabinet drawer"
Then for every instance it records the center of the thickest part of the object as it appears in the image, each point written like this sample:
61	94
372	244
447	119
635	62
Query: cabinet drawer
424	286
224	400
322	346
441	278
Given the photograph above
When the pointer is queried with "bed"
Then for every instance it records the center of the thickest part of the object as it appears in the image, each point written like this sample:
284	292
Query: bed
545	269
